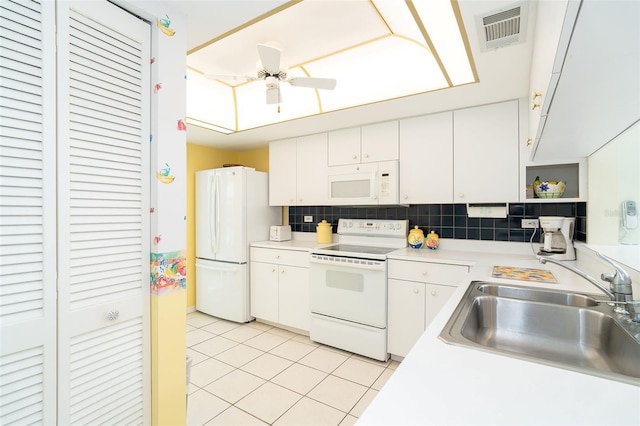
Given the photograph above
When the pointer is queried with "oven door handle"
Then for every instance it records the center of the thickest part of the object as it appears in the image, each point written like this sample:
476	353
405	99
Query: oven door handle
348	262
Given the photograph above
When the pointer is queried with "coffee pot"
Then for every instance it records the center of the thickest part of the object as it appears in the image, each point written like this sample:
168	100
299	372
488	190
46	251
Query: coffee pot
557	237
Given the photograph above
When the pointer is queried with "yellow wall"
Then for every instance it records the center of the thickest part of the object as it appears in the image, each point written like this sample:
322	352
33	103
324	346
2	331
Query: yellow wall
169	342
203	158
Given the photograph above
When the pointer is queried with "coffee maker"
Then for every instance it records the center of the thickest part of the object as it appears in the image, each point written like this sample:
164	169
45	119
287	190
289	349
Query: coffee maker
557	237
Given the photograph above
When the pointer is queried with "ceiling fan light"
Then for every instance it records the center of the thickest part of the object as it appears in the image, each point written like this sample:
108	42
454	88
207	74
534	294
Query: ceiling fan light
273	95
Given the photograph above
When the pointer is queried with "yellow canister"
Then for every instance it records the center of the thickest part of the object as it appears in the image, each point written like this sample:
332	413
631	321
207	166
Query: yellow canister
416	238
323	233
433	240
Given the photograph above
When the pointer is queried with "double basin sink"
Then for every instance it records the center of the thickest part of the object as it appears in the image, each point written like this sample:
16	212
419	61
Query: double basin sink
568	330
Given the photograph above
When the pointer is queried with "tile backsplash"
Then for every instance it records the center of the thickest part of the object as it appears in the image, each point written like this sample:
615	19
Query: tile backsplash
449	220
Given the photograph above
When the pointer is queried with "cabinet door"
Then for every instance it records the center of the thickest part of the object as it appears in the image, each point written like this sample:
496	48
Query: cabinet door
486	153
312	182
426	159
282	173
344	146
406	308
436	297
28	214
294	310
103	214
549	21
264	291
379	142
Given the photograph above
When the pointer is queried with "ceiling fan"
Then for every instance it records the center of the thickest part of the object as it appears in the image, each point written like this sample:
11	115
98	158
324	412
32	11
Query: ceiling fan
273	75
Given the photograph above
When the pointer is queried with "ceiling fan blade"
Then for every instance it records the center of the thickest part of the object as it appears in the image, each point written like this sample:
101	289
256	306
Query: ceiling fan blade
235	78
270	58
273	96
316	83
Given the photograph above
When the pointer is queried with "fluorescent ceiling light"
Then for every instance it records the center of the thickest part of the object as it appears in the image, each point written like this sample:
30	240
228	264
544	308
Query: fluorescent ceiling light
376	50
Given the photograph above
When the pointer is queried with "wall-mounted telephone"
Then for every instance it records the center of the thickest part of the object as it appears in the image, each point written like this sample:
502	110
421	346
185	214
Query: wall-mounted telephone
629	214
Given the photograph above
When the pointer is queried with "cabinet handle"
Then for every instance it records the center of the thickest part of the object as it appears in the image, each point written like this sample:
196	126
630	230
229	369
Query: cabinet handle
113	315
273	270
282	272
534	106
535	95
355	157
416	291
366	156
434	293
277	256
424	273
461	195
529	141
406	196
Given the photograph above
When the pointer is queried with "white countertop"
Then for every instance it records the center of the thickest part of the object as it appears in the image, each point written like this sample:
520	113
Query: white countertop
438	383
302	241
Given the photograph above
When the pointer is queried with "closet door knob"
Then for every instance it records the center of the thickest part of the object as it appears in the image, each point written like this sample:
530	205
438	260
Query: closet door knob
113	315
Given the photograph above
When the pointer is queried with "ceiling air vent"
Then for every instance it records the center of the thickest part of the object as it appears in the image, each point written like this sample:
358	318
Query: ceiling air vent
502	27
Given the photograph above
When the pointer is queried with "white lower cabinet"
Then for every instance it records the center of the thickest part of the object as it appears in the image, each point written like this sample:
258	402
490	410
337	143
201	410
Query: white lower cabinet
280	286
416	293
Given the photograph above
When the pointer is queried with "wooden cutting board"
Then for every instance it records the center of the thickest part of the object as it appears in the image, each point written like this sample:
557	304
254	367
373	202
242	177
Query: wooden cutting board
523	274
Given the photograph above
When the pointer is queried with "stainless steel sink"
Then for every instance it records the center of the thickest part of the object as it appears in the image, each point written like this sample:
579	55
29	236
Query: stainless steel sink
539	295
588	338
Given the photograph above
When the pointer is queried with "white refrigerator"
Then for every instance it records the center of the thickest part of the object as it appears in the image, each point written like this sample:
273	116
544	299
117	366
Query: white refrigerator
232	211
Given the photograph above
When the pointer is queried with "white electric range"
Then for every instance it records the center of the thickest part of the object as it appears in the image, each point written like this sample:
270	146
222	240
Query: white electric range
349	286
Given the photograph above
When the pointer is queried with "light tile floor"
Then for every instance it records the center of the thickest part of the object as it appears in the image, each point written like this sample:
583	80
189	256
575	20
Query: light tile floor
256	374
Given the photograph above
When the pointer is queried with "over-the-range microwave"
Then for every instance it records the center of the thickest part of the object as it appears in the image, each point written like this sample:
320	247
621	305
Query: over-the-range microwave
364	184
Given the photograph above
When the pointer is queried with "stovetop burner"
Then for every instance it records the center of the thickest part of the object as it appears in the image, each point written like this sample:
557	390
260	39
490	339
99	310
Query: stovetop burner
367	238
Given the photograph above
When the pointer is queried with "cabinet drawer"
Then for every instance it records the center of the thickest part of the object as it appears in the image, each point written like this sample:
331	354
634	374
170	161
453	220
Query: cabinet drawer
280	256
438	273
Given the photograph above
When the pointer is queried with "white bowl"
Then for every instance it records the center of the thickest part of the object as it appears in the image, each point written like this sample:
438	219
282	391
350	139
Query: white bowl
549	190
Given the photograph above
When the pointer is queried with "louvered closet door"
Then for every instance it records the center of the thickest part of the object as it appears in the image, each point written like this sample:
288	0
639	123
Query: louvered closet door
27	213
103	215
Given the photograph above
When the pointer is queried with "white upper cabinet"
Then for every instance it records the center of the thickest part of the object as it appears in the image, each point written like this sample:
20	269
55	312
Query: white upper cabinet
311	160
379	142
597	95
366	144
486	153
298	171
554	22
426	152
344	146
282	173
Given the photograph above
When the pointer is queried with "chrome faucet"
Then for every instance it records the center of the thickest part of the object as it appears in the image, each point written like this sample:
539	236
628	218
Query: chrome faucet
619	292
587	277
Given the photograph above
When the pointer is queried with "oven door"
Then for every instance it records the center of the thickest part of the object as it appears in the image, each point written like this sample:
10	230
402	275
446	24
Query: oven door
349	289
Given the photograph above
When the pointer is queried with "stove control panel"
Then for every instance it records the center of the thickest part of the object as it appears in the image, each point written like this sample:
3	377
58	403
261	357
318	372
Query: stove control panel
373	227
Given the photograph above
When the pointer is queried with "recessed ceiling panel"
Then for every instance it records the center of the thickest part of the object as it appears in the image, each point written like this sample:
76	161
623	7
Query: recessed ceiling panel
306	31
210	101
376	50
387	69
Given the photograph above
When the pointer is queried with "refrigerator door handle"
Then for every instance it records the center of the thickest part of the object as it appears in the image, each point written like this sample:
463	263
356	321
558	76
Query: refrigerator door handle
210	213
217	212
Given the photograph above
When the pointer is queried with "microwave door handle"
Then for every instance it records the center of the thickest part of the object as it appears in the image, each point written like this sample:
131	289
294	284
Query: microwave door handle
376	188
